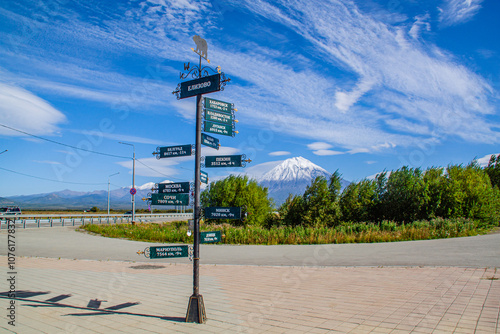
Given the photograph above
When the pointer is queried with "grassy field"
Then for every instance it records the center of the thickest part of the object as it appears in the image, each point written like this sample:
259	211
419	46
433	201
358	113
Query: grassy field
176	232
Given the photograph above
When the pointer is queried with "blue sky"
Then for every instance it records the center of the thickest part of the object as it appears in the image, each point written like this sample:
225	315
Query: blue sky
358	86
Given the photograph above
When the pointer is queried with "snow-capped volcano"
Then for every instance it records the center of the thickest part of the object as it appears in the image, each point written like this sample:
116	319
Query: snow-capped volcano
294	169
292	176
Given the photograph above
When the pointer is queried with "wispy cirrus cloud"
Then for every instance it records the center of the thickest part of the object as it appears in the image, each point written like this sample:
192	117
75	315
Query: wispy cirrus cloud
399	92
21	109
48	162
353	80
453	12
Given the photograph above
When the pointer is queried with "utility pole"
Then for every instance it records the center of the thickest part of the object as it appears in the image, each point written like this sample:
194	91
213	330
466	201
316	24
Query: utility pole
133	190
108	187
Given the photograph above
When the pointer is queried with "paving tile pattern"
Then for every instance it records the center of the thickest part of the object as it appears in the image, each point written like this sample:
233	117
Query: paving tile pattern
78	296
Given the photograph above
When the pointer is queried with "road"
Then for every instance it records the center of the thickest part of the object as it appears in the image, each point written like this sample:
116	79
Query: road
65	242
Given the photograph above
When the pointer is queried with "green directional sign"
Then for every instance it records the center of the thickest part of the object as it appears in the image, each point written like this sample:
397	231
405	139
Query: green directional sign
218	105
220	129
175	151
173	188
203	177
210	237
223	161
222	213
159	252
203	85
169	199
219	117
209	141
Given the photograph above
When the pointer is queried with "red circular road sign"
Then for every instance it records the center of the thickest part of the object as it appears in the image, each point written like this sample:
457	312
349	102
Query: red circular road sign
133	191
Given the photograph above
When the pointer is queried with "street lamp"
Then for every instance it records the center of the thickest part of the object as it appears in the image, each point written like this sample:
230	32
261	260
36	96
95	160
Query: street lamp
108	187
133	181
3	151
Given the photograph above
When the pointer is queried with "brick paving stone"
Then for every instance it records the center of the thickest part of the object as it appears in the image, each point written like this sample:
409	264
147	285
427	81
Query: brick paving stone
255	298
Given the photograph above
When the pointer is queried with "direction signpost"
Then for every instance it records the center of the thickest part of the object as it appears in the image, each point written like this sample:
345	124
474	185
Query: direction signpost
169	199
222	213
159	252
173	188
219	117
210	237
218	105
200	86
203	177
223	161
174	151
210	141
220	129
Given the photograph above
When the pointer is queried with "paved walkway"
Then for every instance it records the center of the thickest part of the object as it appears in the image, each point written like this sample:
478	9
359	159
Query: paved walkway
91	296
76	296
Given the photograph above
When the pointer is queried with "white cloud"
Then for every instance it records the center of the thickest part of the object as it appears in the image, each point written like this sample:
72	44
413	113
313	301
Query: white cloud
483	162
322	148
279	153
124	138
327	152
23	110
345	100
421	21
319	146
454	12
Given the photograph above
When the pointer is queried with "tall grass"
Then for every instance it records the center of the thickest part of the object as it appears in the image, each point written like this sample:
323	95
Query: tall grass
385	231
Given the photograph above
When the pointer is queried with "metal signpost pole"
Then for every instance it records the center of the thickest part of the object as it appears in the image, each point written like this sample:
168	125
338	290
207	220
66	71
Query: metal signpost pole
196	308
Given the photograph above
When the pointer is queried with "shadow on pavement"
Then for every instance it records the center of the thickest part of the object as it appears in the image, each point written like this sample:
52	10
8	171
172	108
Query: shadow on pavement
93	305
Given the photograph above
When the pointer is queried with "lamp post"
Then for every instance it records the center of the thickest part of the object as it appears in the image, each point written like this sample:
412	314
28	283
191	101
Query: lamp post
108	187
3	151
133	180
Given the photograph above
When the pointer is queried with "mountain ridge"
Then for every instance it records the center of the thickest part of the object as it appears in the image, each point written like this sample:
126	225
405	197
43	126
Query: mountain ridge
292	176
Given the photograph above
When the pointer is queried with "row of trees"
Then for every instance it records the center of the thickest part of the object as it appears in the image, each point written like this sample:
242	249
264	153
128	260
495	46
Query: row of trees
403	196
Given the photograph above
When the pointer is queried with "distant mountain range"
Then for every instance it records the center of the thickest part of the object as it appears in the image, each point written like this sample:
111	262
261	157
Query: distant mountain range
292	176
68	199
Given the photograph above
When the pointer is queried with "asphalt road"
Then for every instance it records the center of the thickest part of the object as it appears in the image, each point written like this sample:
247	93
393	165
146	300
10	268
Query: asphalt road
65	242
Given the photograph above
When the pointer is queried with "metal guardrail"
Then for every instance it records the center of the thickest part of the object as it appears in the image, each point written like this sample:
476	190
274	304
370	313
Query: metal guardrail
26	221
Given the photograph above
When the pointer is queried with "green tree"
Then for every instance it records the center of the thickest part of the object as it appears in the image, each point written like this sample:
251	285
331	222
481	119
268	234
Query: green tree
239	191
291	212
334	186
493	170
402	198
358	201
434	183
320	204
468	193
